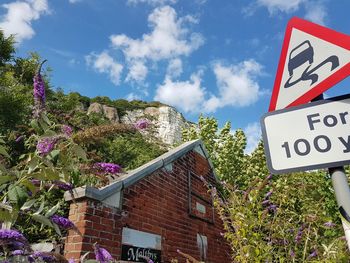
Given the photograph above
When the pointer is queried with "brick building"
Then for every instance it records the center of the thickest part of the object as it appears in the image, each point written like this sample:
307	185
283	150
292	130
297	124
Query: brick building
152	211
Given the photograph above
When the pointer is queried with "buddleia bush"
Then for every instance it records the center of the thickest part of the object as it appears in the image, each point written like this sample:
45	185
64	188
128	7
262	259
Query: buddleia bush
280	218
32	185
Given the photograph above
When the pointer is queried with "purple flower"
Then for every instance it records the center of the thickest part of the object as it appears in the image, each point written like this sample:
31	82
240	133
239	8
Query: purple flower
265	202
150	261
19	138
46	145
8	236
31	259
329	224
39	92
35	182
272	208
17	245
268	194
313	254
17	252
269	177
292	253
63	186
142	124
39	88
101	254
107	168
71	260
62	221
299	234
298	238
67	130
43	256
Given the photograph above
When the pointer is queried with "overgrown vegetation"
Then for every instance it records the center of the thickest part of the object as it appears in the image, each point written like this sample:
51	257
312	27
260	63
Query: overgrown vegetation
285	218
48	145
289	218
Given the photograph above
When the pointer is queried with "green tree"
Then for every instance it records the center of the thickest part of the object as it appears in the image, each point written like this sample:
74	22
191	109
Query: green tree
7	48
226	150
129	150
286	218
16	85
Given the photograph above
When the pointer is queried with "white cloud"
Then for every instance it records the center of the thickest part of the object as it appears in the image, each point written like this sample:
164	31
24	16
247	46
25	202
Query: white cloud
137	71
286	6
237	85
104	63
200	2
74	1
212	104
253	134
150	2
133	96
73	62
185	95
174	68
170	38
316	12
19	17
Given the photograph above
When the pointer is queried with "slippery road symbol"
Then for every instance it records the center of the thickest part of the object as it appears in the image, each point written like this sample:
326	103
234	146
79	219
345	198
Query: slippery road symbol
301	54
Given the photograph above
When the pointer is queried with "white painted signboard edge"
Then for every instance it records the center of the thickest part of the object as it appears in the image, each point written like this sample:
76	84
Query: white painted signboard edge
300	168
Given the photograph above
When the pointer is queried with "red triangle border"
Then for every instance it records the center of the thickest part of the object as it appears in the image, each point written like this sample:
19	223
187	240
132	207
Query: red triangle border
318	31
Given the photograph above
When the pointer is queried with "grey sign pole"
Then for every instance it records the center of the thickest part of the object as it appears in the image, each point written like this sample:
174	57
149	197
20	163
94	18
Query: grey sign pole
342	192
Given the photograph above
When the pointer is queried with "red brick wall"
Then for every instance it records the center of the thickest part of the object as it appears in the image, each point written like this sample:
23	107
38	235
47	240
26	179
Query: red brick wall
157	204
95	223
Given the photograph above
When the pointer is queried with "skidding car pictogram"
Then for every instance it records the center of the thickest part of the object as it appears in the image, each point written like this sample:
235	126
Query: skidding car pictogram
302	54
297	59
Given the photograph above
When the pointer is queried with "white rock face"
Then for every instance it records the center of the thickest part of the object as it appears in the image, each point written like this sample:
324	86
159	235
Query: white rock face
96	108
170	125
132	116
167	122
109	112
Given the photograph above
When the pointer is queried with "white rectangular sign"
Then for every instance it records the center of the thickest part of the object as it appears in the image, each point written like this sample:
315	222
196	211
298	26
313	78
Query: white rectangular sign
311	136
141	239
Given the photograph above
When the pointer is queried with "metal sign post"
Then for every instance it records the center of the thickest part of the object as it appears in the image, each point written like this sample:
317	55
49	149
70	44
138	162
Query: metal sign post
342	194
311	135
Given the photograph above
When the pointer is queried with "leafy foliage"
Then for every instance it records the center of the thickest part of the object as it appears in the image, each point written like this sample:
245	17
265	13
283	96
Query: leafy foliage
289	218
40	160
6	48
130	151
284	219
226	150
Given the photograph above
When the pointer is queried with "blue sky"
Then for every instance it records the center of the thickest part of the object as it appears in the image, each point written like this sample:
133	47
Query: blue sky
215	57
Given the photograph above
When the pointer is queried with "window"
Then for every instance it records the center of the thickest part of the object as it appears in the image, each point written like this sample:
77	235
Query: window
199	200
202	243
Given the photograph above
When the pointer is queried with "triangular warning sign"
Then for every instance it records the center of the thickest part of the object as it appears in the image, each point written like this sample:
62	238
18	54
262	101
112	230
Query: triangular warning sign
313	59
